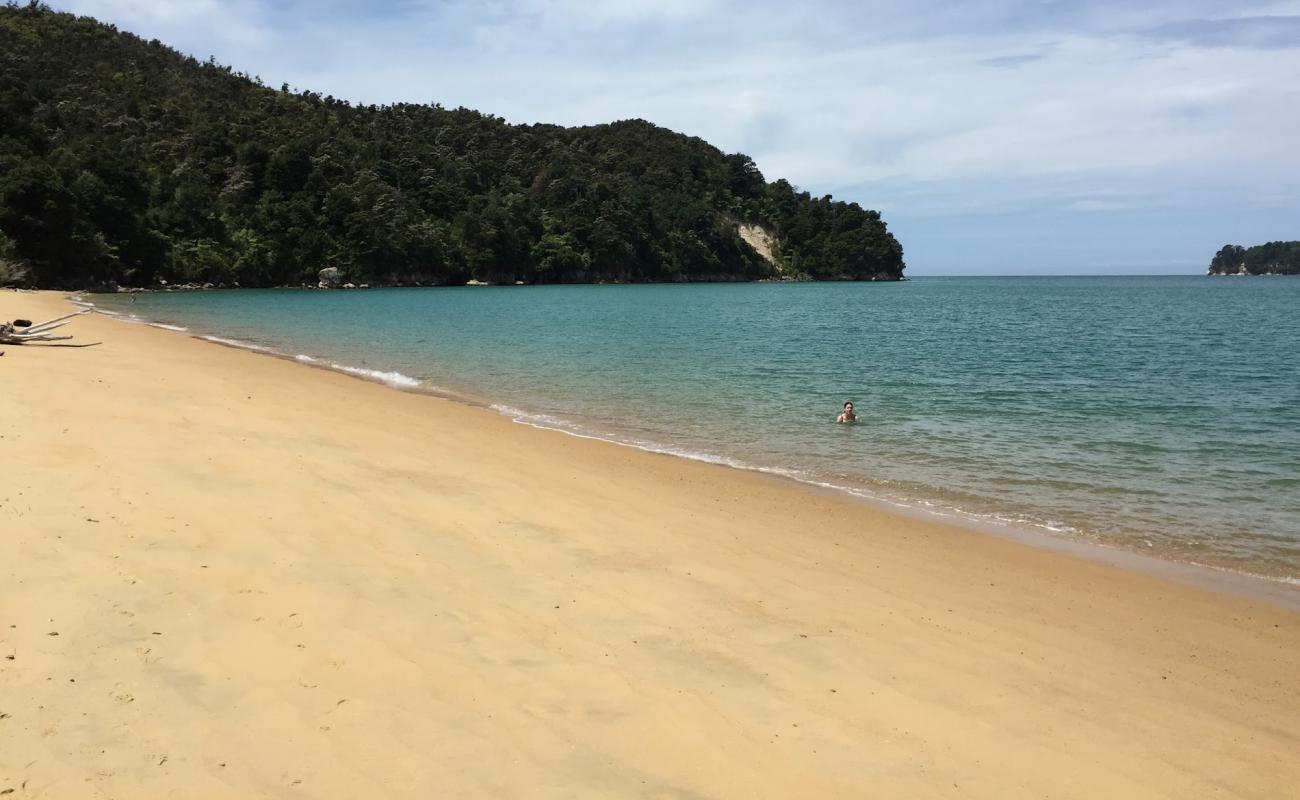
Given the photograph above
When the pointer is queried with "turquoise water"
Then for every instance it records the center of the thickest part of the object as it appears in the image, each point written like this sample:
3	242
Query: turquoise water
1161	414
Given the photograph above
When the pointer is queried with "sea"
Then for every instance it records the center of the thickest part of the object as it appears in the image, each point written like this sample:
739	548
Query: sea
1155	414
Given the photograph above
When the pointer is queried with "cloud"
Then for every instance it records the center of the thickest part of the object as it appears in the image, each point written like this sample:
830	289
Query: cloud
223	21
617	12
1252	32
1013	61
1093	204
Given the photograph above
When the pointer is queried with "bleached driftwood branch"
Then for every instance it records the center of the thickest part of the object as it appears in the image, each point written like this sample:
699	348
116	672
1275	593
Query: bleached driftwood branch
14	333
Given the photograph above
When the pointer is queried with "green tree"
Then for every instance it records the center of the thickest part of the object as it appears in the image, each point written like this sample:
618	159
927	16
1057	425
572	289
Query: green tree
123	160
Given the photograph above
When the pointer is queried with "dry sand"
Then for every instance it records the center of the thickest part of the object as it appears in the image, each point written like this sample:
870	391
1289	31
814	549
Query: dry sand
229	575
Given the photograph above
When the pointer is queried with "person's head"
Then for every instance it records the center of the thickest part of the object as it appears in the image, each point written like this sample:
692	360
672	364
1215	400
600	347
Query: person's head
848	407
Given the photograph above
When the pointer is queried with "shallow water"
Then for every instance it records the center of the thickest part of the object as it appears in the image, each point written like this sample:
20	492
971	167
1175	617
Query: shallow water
1161	414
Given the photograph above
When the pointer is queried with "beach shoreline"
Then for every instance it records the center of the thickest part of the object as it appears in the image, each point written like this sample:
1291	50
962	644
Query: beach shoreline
263	578
1228	578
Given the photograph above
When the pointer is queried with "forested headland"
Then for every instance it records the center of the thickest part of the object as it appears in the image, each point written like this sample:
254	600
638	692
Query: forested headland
1274	258
123	161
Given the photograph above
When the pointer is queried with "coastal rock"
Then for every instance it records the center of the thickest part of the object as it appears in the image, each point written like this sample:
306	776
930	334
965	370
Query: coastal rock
329	278
759	238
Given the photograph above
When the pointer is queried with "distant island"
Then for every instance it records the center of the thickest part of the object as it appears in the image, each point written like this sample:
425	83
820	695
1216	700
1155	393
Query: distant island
124	162
1274	258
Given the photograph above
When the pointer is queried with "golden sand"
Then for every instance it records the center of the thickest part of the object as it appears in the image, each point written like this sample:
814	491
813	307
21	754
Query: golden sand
228	575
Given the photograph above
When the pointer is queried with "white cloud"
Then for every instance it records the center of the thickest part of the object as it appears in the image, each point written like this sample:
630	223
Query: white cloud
617	12
220	21
1096	205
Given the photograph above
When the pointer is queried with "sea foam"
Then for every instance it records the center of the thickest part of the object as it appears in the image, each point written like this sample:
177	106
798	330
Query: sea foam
391	378
237	343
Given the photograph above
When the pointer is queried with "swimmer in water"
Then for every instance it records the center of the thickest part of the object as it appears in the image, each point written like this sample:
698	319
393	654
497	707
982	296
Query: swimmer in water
847	415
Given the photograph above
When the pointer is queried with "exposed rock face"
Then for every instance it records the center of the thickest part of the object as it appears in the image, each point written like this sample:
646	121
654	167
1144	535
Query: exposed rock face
757	237
330	278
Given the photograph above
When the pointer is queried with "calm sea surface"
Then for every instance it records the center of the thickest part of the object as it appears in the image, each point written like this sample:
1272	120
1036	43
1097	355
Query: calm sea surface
1161	414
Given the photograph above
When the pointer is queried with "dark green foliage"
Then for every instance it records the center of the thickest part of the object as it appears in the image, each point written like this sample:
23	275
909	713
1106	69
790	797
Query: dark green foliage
11	272
124	161
1274	258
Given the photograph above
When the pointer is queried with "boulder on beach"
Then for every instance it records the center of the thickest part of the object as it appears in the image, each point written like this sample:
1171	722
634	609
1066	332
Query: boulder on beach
329	278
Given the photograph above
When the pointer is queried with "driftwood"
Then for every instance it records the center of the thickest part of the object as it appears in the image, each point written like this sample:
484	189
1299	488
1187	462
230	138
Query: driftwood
18	333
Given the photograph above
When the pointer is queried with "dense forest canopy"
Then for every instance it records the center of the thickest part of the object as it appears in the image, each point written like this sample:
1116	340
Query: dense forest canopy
122	160
1274	258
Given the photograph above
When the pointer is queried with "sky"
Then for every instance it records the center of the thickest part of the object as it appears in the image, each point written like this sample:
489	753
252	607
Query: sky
994	136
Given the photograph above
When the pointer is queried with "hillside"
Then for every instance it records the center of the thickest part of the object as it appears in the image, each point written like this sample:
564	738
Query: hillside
122	160
1274	258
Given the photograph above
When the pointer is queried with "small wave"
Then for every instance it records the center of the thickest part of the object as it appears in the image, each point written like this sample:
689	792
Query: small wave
304	359
132	319
391	378
553	423
697	455
167	327
536	420
1288	580
237	343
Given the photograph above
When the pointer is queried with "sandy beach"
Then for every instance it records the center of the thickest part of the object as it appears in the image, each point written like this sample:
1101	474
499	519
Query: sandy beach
230	575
